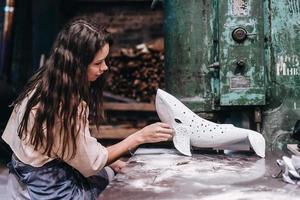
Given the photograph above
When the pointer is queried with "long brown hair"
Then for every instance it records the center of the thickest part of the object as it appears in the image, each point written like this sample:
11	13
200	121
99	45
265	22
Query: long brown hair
60	86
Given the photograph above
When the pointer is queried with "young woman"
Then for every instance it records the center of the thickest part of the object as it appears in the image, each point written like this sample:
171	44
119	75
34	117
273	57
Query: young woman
55	156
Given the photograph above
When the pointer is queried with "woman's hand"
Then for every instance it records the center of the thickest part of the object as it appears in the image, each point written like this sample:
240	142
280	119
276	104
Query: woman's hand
118	165
153	133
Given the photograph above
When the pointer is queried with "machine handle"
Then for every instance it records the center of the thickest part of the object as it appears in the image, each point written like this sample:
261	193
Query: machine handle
240	34
215	65
251	34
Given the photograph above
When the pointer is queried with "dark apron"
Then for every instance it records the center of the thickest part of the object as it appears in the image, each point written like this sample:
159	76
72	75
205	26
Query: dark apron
57	180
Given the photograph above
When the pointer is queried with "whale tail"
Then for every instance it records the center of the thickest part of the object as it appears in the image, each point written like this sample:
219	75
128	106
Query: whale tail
257	142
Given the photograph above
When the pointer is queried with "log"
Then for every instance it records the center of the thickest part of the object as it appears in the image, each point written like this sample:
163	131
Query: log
137	73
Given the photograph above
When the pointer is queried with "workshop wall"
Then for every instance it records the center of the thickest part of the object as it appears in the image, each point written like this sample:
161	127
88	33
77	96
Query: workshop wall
36	24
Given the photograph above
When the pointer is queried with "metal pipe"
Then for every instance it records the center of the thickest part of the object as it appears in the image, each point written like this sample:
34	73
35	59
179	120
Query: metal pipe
6	35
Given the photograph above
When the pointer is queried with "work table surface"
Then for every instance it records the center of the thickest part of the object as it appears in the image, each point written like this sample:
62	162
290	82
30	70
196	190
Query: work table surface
166	174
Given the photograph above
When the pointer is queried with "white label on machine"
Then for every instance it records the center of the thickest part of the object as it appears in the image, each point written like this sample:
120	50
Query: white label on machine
240	82
240	8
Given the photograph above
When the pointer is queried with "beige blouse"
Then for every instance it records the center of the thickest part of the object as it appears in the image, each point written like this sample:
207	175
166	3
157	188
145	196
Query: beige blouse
90	156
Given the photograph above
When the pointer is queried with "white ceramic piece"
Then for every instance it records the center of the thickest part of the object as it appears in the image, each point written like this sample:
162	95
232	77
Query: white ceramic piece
289	170
294	174
288	163
192	130
296	162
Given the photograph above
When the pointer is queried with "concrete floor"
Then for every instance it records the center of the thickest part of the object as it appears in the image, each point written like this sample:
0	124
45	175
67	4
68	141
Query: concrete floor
3	181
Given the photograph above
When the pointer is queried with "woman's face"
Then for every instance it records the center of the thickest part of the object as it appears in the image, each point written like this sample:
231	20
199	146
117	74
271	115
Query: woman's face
98	65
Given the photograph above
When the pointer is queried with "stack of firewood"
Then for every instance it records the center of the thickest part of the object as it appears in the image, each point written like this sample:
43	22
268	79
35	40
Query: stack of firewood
136	73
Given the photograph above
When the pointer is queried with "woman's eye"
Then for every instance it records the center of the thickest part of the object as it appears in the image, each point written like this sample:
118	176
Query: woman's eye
99	63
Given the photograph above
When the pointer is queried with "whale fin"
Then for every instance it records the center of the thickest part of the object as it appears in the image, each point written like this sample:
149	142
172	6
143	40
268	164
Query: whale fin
257	142
182	141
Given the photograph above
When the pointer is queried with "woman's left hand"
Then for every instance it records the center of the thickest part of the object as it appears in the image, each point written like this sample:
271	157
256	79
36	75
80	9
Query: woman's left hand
118	165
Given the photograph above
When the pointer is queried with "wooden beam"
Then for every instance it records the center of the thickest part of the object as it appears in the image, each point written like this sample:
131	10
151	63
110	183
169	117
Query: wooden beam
129	106
117	97
112	132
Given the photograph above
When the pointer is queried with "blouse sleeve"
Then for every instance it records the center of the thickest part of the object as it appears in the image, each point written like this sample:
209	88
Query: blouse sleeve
90	156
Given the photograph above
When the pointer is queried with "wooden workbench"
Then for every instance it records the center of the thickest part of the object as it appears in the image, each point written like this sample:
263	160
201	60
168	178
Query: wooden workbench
165	174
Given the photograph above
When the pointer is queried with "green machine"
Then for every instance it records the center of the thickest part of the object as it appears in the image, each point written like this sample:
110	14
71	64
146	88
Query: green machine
236	61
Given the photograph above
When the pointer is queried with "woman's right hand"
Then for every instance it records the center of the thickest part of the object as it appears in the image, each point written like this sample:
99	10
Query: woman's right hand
153	133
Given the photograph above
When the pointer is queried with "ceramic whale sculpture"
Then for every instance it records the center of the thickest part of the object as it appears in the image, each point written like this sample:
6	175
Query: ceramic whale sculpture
192	130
